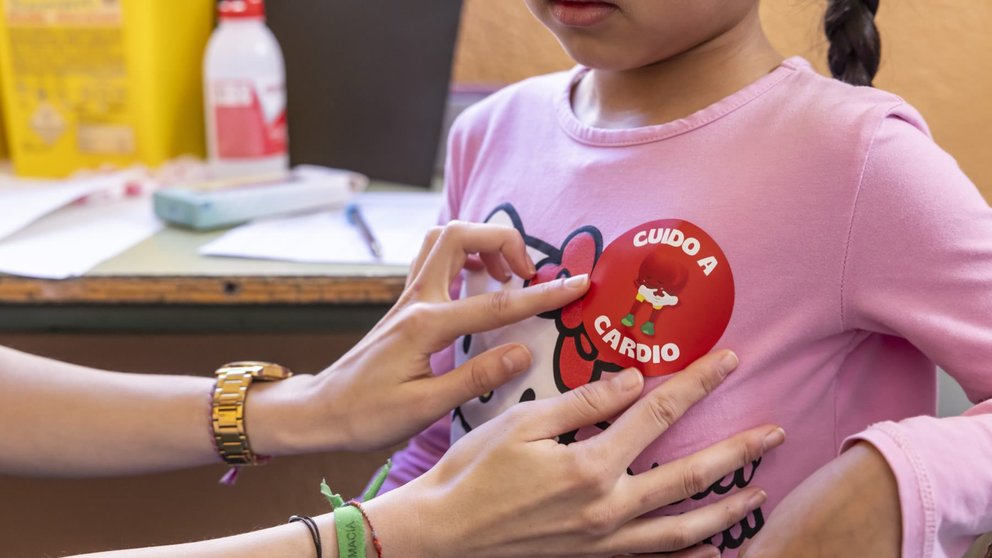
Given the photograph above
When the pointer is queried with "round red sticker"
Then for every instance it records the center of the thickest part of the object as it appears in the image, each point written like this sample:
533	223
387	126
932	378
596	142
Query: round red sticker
661	296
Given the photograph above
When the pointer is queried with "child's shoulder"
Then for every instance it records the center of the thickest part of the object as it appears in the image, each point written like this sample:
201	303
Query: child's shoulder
528	99
830	103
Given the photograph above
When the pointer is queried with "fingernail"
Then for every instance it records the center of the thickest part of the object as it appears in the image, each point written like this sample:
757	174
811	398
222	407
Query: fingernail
773	439
756	499
531	267
516	360
711	552
728	362
577	282
507	275
628	379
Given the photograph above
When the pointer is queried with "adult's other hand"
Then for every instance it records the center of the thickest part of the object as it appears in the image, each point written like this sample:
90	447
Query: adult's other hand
508	488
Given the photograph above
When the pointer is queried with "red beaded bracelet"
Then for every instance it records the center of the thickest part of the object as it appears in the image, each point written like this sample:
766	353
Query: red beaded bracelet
375	539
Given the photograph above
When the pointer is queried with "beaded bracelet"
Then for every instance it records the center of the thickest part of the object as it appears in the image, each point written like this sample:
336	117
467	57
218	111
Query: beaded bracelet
375	539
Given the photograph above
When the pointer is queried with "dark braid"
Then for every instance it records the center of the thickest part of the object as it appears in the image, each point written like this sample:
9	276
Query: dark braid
855	47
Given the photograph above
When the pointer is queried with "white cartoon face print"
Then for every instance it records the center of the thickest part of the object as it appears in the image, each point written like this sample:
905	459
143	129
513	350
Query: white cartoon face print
563	357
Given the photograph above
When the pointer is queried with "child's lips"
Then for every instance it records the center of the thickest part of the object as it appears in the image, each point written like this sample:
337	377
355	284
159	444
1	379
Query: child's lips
581	13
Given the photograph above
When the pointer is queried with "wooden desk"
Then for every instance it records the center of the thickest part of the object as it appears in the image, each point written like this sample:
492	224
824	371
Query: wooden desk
154	285
165	269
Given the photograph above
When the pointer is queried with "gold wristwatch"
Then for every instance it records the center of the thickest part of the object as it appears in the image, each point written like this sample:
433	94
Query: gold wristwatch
228	408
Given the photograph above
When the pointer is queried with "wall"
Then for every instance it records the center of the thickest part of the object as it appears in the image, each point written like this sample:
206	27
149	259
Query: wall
935	53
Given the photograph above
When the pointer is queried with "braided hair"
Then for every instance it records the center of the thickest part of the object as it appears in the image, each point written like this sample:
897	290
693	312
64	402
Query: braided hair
855	47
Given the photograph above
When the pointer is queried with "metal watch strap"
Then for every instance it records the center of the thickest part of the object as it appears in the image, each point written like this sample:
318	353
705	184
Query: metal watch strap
228	407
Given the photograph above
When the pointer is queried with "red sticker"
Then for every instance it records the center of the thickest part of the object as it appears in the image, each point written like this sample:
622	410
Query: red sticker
661	297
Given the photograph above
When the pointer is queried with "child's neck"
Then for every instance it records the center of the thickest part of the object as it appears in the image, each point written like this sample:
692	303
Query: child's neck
678	86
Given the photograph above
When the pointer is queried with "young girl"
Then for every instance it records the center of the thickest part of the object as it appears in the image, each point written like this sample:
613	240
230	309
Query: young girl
825	239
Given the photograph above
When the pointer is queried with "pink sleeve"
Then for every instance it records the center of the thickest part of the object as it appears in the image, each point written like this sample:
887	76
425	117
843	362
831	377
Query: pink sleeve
462	148
942	467
427	448
919	266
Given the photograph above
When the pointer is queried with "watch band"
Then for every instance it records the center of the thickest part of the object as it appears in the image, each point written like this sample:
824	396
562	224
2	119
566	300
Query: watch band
228	407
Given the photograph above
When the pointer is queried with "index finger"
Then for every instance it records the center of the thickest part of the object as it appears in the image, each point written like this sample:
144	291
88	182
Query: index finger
657	411
486	311
456	241
425	249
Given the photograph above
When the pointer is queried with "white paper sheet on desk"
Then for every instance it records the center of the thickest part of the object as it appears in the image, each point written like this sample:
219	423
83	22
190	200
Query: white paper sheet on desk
23	200
74	239
398	220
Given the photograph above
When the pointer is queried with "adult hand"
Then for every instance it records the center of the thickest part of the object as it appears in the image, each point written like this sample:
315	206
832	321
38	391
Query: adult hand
849	507
383	390
509	489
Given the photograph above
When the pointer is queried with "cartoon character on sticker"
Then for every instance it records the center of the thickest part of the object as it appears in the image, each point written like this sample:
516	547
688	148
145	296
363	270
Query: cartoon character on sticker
658	281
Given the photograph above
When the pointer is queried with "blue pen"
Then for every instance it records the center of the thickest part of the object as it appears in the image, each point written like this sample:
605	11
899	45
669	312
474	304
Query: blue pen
355	217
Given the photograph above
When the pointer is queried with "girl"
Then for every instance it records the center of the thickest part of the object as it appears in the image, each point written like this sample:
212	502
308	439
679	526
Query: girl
831	244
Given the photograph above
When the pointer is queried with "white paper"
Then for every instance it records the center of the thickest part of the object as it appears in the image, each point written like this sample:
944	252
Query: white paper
399	221
23	201
74	239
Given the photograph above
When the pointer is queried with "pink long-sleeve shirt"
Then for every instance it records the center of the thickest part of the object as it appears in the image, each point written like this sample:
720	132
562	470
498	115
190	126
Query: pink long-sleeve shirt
846	255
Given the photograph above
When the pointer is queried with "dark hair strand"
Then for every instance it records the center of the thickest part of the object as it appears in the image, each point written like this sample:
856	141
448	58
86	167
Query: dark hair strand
855	47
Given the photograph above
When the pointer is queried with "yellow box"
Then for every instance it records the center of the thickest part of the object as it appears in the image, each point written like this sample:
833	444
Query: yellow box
3	131
87	83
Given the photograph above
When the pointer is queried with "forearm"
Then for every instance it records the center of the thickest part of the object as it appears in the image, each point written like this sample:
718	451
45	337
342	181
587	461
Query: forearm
290	540
66	420
69	420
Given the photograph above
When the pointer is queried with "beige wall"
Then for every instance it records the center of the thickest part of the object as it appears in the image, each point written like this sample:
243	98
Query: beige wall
937	54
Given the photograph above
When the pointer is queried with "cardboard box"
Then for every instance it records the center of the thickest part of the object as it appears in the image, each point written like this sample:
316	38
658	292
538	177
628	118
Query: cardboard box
91	83
3	131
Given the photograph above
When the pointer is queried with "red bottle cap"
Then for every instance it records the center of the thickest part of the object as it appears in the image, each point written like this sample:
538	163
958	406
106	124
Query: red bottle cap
241	9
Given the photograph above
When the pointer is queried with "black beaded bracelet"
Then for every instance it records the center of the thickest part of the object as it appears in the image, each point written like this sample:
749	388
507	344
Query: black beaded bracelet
312	527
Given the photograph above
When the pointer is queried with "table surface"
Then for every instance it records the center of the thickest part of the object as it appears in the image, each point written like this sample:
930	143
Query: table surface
166	269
